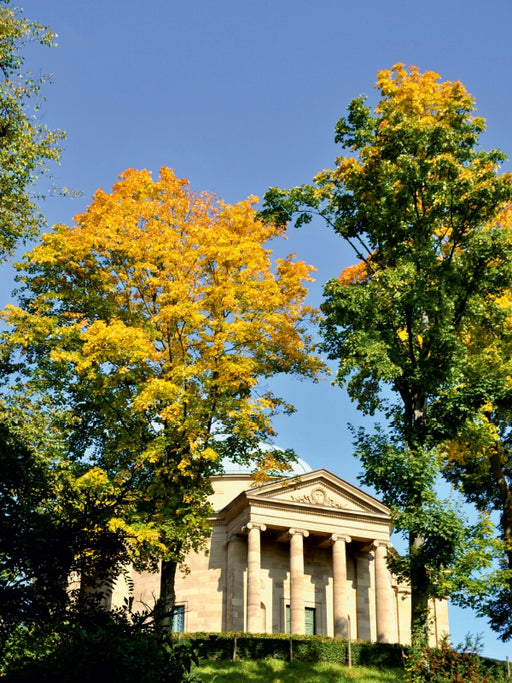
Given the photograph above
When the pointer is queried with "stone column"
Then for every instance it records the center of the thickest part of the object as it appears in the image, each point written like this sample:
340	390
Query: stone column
364	609
297	613
384	616
339	585
253	577
235	583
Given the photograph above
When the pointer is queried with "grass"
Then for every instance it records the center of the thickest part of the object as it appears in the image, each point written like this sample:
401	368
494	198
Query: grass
278	671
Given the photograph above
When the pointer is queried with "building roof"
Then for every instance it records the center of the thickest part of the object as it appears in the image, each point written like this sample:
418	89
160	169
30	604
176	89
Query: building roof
297	468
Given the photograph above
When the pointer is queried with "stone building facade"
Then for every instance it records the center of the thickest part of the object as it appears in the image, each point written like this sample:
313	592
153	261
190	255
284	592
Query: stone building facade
306	554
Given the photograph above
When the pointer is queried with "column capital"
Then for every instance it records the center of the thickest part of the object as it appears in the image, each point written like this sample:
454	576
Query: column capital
338	537
380	544
255	525
302	532
233	538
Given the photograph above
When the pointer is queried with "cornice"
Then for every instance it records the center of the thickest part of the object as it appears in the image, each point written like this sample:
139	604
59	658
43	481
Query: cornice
307	508
319	511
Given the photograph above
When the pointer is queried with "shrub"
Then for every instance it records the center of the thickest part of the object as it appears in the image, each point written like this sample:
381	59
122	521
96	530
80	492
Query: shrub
110	650
305	648
448	665
388	655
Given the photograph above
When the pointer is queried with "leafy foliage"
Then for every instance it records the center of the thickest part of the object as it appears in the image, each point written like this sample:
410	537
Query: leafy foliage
26	146
149	325
476	416
250	646
107	647
426	213
451	665
54	524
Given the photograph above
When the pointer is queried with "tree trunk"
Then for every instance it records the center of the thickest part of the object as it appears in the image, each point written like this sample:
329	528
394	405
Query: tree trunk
506	501
420	582
420	590
165	604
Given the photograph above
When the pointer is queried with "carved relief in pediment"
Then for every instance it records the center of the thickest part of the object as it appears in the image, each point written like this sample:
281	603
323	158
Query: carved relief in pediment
320	496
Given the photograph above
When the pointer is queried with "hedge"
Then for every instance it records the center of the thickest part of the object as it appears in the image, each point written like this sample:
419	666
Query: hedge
304	648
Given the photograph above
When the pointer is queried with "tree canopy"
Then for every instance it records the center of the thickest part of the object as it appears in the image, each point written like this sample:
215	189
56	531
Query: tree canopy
476	415
152	322
26	145
425	211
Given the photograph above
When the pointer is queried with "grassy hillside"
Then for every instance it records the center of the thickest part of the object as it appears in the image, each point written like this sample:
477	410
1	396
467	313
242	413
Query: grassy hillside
278	671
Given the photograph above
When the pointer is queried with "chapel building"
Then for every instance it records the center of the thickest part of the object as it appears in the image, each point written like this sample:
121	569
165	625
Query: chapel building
304	554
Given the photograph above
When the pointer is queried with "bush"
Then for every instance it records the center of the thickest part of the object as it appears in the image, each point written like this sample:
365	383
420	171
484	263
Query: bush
305	648
448	665
389	655
110	650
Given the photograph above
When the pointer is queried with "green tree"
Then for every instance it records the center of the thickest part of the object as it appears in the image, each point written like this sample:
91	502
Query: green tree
26	146
476	414
55	522
421	206
154	320
26	149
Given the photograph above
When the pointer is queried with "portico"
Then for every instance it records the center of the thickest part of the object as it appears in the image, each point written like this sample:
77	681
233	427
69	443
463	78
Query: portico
304	554
316	518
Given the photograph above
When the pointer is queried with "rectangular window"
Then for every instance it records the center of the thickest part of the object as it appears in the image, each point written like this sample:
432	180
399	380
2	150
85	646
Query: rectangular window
310	621
178	618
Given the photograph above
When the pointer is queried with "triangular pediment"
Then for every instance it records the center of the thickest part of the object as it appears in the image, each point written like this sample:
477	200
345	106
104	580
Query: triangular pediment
320	490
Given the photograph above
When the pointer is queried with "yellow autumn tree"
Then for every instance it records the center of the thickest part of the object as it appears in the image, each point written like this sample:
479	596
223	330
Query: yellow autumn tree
154	320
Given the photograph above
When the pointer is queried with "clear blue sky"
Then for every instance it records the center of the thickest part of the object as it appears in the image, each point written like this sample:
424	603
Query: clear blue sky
238	95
